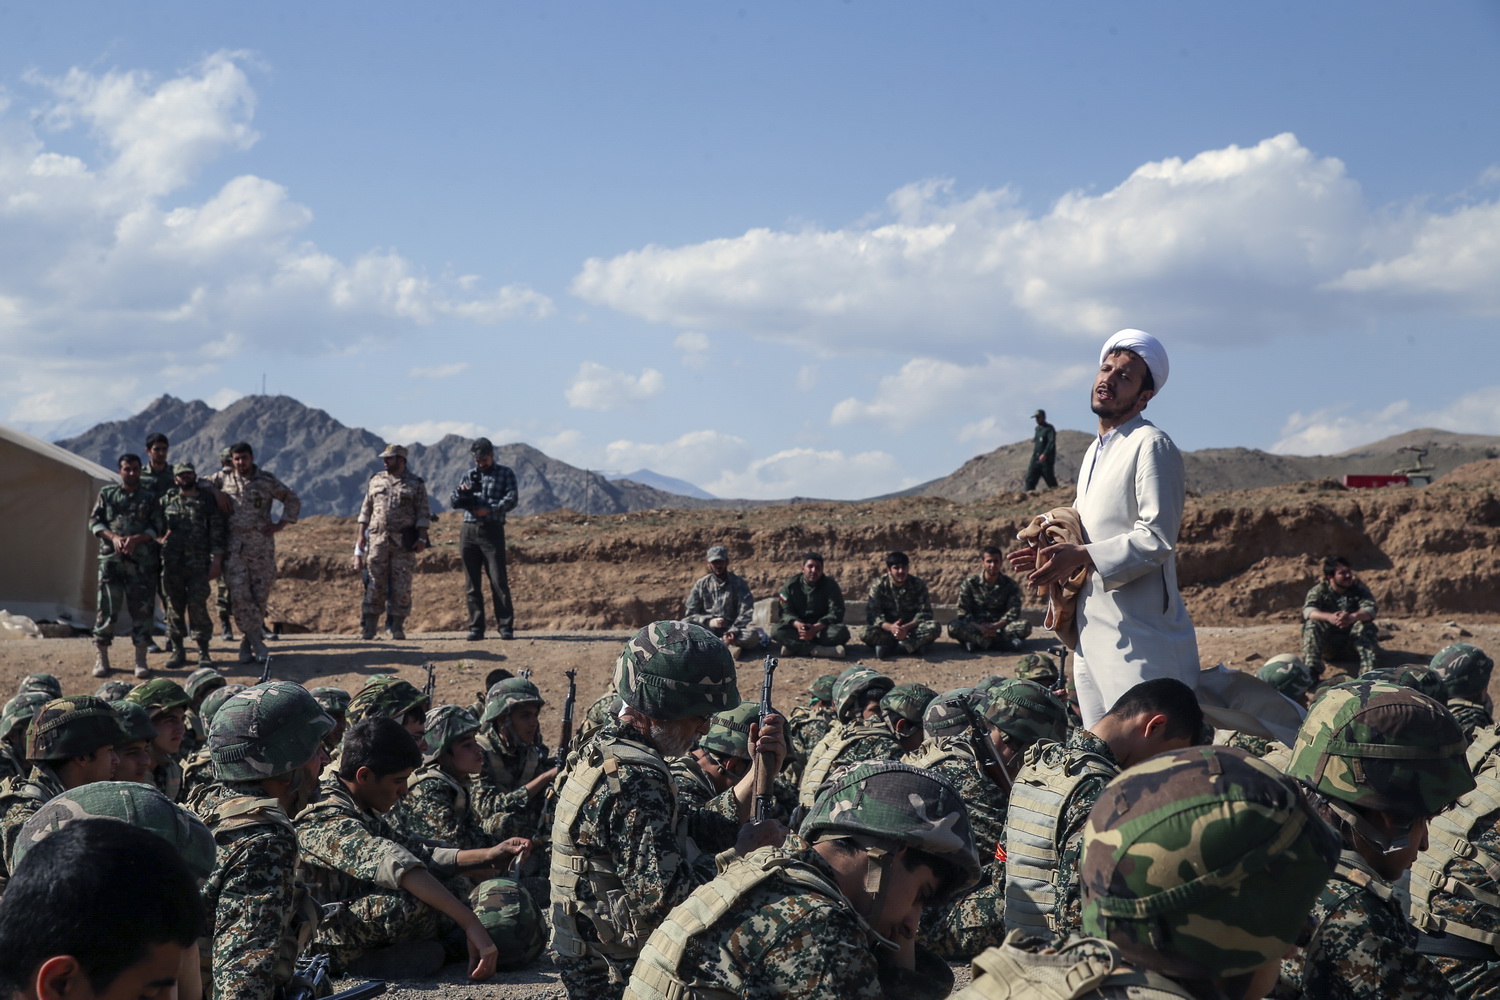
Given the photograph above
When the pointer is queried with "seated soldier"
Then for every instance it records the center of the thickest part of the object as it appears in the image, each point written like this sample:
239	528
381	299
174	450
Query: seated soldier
1338	619
1216	921
1287	674
114	690
13	722
860	733
989	608
386	696
166	702
46	684
1465	671
810	723
134	748
898	611
511	791
199	685
716	763
198	770
482	695
1056	787
721	602
439	803
394	903
902	708
835	921
812	613
334	701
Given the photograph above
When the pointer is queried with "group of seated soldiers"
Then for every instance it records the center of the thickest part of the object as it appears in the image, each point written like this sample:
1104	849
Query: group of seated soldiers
905	829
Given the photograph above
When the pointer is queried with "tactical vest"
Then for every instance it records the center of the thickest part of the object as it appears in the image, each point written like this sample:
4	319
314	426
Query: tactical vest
1034	832
1010	972
1449	839
434	772
826	754
619	938
934	752
657	974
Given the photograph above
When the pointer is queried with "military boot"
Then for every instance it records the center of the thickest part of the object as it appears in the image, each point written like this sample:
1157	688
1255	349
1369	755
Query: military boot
367	626
258	648
204	660
246	656
178	659
398	626
228	632
142	671
829	652
101	659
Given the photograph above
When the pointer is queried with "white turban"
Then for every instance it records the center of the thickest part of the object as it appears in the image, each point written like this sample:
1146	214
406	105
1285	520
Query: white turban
1147	346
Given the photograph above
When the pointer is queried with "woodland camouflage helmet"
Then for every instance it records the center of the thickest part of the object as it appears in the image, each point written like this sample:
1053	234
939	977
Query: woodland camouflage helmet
821	689
202	681
215	701
675	670
335	700
386	696
506	694
445	725
908	701
946	714
1379	746
1287	673
135	721
159	694
47	684
886	805
1417	676
1026	711
19	709
266	731
75	726
729	731
114	690
1465	670
1203	863
512	919
1037	667
855	686
131	802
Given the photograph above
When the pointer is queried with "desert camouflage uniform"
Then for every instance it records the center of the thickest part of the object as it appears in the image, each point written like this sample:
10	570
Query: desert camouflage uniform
888	603
199	532
127	582
983	603
440	807
810	603
392	504
250	563
1320	639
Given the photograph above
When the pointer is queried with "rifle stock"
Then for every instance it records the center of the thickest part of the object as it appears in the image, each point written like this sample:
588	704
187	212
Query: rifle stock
765	775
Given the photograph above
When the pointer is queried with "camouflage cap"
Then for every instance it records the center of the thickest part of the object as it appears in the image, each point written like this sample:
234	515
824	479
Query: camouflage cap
335	700
202	681
946	715
506	694
1384	747
855	686
225	456
821	689
1465	670
1038	667
673	670
386	696
729	731
131	802
1287	673
215	701
114	690
897	805
512	919
20	709
75	726
159	694
445	725
47	684
1026	711
908	701
135	721
716	553
266	731
393	451
182	467
1417	676
1203	863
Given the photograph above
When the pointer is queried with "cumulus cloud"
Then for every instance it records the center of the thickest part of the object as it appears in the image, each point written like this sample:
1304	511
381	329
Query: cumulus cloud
596	387
440	371
694	347
926	388
808	472
696	456
432	431
1242	242
1336	429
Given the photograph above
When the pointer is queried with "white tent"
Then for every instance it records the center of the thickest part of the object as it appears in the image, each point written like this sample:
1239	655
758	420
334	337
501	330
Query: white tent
48	560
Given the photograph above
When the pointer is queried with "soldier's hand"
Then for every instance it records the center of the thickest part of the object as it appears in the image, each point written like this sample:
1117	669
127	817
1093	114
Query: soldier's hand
770	739
482	951
717	623
759	833
513	851
359	563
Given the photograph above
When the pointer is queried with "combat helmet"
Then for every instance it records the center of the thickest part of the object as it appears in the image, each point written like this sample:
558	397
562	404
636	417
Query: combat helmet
855	686
1038	667
675	670
908	701
729	731
1203	863
203	680
75	726
1026	712
1379	746
386	696
335	700
1289	674
47	684
135	722
114	690
1465	670
512	919
947	714
1417	676
444	726
159	694
506	694
20	709
885	805
821	690
215	701
129	802
266	731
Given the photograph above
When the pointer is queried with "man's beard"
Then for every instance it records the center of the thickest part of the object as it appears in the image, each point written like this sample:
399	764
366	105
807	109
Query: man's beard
668	743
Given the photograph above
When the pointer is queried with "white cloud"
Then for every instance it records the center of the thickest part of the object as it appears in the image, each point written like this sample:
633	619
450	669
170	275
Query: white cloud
1336	429
696	456
596	387
433	431
927	388
808	472
1231	244
807	377
440	371
694	348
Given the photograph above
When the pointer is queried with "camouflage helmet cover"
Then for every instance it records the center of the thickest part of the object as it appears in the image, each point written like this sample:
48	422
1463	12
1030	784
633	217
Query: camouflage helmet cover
215	701
1203	863
131	802
21	708
135	721
506	694
821	689
729	731
386	696
1026	711
512	919
159	694
266	731
1417	676
75	726
673	670
47	684
1465	669
946	715
908	701
202	681
1379	746
855	686
335	700
446	724
897	804
1038	667
1288	674
986	683
114	690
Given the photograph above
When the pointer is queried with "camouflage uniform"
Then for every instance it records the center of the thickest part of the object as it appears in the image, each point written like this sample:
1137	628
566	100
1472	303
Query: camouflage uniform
853	688
810	603
984	603
1321	640
776	924
198	769
46	684
129	802
887	603
1289	675
199	533
807	724
439	804
127	581
13	722
250	563
199	685
393	504
114	690
726	597
1465	671
504	806
157	696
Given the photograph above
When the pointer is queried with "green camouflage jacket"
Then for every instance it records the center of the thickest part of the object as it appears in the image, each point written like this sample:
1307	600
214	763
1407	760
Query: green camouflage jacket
889	603
985	603
1322	597
128	514
199	530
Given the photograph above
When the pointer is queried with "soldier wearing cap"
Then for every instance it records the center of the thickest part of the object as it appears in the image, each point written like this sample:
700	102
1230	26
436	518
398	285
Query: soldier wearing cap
13	722
1465	670
393	522
517	769
166	702
192	558
222	600
622	853
836	920
250	563
485	495
722	603
860	733
1043	453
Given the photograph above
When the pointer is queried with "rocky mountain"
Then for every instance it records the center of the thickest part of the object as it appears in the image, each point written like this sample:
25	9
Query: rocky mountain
669	484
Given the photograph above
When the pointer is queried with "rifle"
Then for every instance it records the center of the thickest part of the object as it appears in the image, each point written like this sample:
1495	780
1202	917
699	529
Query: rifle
311	981
430	688
265	669
765	778
988	757
567	716
525	674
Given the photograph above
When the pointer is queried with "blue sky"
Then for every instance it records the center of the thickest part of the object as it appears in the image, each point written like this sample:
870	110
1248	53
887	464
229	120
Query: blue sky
826	249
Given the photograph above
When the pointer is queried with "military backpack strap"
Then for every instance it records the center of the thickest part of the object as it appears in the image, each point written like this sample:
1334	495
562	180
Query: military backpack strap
1450	836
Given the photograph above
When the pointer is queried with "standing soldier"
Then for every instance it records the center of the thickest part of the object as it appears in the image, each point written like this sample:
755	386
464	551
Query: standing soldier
223	601
251	566
392	529
487	492
156	479
989	608
192	557
1043	453
128	521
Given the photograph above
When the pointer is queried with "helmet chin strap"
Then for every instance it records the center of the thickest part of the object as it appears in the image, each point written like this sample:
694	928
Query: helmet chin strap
878	859
1383	842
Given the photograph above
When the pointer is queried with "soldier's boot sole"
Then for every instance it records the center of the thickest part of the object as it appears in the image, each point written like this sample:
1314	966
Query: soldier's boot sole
409	960
142	671
101	660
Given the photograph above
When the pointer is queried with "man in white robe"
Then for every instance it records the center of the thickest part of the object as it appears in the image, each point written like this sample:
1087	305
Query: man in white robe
1132	623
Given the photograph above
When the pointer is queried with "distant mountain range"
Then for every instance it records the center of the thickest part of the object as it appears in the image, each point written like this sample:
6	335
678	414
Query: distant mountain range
328	463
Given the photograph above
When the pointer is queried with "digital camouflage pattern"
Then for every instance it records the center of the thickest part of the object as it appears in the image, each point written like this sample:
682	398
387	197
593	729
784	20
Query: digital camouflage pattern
47	684
847	743
514	923
507	694
908	701
446	725
673	670
439	806
947	714
159	694
505	808
983	603
1203	863
20	798
129	802
250	561
72	727
266	731
726	597
1038	667
1322	641
821	689
1287	673
385	696
198	531
1025	712
393	503
887	603
855	686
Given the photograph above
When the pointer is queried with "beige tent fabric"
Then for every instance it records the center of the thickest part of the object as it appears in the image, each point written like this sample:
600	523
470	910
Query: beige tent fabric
48	560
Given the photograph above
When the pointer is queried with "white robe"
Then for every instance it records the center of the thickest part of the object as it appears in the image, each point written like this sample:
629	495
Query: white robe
1132	623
